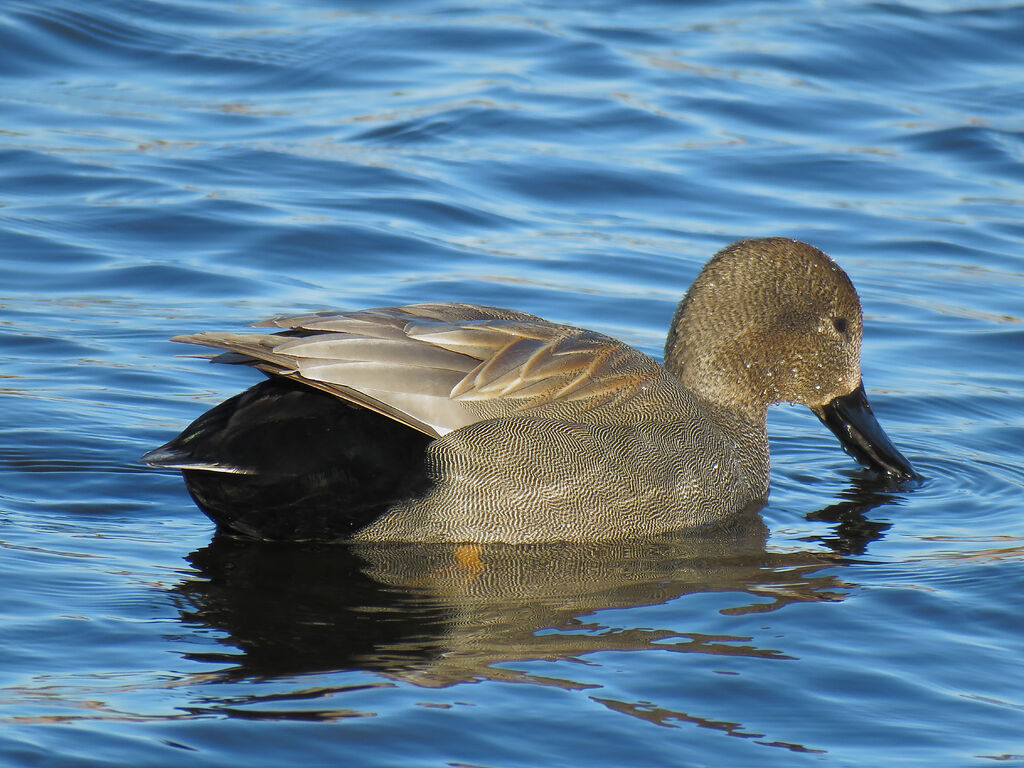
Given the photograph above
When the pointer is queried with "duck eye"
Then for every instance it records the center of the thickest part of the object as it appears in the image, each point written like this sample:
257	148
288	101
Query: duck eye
841	325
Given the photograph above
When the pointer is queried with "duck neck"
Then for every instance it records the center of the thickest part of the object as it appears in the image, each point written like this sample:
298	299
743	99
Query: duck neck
732	392
750	424
730	397
724	370
748	436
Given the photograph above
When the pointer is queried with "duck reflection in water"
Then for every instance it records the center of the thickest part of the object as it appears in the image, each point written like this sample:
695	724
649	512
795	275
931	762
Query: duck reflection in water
439	614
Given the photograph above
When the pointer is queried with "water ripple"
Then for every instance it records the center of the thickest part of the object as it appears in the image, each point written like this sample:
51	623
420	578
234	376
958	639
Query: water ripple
173	166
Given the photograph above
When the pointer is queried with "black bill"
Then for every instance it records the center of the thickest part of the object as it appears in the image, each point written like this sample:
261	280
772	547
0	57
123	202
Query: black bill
851	420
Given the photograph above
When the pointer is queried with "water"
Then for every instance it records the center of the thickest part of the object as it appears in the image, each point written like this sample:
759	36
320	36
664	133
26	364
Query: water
173	166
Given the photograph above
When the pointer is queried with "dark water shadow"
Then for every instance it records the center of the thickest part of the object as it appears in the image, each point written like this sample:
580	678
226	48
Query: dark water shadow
852	531
436	615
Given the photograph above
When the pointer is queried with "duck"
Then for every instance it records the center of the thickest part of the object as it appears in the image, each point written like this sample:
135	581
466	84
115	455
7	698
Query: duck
469	424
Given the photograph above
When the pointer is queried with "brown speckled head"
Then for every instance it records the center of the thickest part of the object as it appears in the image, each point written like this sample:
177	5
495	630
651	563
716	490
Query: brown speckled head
767	321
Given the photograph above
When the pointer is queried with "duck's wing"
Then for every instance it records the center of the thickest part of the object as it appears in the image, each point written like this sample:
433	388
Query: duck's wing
438	367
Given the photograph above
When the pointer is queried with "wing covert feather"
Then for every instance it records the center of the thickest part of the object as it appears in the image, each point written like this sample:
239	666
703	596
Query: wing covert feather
438	367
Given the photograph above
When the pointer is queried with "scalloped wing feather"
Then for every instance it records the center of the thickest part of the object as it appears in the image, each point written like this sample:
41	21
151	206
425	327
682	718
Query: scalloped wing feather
438	367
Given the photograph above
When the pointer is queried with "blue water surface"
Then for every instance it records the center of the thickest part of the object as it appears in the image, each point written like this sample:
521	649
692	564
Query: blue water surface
168	166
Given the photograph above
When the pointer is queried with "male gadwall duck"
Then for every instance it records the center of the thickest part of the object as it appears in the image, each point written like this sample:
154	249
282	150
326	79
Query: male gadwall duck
465	423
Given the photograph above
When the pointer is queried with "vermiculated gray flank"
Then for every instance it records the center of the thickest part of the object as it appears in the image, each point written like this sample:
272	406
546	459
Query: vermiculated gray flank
550	432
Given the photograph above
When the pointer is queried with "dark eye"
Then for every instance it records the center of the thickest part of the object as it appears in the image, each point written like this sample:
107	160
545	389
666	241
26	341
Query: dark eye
841	325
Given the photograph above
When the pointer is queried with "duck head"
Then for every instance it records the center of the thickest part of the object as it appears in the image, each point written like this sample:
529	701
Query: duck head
776	320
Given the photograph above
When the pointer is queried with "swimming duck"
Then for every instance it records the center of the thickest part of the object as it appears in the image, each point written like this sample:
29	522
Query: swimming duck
464	423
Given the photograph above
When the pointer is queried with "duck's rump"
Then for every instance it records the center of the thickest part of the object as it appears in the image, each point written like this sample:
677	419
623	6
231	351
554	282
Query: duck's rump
284	461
